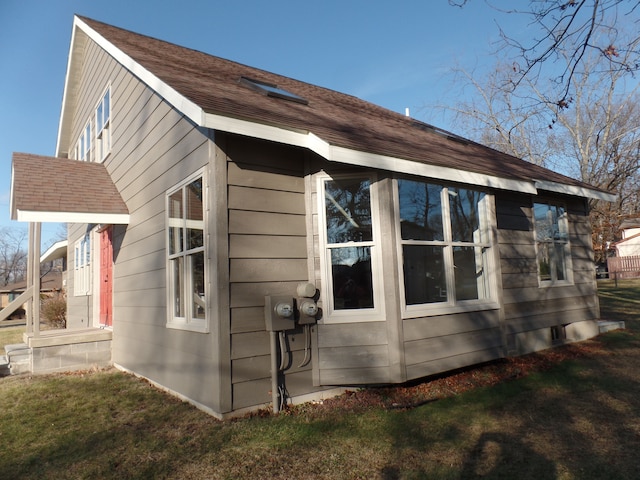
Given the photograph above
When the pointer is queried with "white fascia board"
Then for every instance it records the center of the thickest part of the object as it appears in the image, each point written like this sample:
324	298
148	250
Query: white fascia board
574	190
180	102
354	157
255	130
73	217
67	87
400	165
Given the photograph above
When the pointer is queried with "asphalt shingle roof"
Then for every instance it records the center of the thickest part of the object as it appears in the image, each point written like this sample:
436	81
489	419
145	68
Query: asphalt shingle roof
342	120
70	186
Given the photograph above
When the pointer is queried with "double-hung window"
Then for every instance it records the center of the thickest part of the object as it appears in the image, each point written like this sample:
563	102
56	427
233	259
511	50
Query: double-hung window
444	241
82	266
103	126
552	243
350	248
186	256
83	147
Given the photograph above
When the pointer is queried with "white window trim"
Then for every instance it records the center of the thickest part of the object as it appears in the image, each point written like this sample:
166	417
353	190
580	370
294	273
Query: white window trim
567	247
451	305
83	147
103	135
82	269
330	315
188	322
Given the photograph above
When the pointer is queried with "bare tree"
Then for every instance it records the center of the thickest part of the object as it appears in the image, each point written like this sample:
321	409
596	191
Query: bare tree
596	141
13	256
568	33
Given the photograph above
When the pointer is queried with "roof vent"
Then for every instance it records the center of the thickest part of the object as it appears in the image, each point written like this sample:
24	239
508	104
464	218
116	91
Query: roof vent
272	90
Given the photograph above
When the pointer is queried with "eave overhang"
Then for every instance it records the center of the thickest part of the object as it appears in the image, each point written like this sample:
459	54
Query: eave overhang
305	139
50	189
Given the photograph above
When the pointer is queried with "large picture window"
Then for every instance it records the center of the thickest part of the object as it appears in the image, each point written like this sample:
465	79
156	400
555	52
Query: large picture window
186	256
445	241
351	250
552	243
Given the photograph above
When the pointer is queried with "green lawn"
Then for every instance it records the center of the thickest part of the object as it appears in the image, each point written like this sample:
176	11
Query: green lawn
9	336
579	419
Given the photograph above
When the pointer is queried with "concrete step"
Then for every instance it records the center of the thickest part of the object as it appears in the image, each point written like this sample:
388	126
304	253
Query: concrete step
18	358
4	366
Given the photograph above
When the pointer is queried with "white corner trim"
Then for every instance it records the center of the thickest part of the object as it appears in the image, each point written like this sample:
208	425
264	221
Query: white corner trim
574	190
72	217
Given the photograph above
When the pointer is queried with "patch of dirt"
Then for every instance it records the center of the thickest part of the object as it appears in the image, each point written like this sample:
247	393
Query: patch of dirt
452	383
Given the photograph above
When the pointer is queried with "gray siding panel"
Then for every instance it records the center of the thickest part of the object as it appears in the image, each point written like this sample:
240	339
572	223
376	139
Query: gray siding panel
267	256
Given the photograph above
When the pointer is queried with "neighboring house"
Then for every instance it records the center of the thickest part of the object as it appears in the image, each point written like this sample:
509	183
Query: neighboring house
50	284
629	245
53	264
203	196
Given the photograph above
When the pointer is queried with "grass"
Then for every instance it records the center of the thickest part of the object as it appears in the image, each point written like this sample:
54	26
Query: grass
579	419
9	336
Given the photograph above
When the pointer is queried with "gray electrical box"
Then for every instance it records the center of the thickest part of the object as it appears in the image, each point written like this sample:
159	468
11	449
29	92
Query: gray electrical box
279	313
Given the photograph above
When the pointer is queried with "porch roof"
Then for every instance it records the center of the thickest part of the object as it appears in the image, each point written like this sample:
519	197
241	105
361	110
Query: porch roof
51	189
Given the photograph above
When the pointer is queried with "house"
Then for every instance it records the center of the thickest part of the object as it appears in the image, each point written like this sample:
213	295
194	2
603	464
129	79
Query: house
629	245
52	277
626	263
241	238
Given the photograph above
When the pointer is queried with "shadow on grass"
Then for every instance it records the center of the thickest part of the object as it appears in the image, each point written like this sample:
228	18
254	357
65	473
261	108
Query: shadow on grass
578	421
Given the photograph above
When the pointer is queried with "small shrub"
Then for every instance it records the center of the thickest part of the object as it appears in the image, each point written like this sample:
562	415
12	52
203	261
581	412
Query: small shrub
54	311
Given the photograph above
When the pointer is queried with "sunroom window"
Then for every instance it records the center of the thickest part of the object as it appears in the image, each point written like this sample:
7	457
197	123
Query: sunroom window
445	244
186	256
351	250
552	243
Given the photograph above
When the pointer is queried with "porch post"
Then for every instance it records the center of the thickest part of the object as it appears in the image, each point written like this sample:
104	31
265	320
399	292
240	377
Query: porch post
33	279
30	279
36	278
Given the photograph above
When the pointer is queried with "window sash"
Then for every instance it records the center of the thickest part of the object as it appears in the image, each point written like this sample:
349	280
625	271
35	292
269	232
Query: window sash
186	267
350	252
449	267
553	251
82	267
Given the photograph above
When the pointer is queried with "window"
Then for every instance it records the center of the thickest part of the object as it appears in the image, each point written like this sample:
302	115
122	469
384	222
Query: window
103	126
552	243
350	246
186	256
83	147
444	244
82	267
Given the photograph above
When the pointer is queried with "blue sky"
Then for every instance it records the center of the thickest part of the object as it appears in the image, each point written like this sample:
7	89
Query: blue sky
393	53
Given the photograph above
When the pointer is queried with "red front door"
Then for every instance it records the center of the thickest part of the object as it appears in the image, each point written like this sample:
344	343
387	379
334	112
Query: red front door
106	277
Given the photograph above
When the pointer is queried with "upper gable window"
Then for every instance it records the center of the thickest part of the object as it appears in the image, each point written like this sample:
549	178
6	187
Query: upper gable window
103	126
83	147
272	90
552	243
